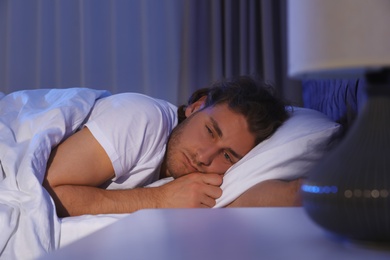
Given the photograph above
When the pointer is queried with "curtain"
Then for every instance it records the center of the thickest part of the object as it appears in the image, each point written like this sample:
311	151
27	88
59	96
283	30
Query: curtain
162	48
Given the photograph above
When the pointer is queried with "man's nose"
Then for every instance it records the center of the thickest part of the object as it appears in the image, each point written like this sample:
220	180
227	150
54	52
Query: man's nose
206	155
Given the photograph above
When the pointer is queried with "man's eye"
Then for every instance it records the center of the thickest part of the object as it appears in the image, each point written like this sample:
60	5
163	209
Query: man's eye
209	131
227	157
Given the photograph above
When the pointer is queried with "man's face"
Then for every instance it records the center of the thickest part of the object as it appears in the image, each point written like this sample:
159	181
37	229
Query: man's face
209	141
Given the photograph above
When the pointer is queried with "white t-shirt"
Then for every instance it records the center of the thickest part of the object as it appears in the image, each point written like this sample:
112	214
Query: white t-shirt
133	129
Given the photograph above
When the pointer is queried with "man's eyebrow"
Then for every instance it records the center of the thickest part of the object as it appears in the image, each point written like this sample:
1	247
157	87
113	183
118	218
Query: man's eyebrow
220	134
216	127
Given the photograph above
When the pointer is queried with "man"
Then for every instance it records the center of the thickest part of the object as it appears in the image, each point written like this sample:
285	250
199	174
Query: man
127	143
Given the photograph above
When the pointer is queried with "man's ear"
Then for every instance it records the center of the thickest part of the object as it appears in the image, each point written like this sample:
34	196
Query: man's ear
195	106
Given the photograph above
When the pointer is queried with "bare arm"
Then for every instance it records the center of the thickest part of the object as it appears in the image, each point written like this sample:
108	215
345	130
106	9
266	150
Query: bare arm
271	193
79	165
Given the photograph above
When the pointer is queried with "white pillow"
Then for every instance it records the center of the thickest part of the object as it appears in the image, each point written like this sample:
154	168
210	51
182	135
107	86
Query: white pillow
288	154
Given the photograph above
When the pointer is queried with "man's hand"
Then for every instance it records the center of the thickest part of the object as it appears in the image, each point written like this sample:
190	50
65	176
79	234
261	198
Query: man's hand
271	193
191	191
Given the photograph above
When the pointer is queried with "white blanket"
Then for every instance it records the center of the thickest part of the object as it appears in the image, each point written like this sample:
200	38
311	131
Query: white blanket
31	123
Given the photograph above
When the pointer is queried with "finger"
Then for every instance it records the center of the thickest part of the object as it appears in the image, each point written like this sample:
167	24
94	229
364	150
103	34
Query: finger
212	179
213	192
208	202
203	206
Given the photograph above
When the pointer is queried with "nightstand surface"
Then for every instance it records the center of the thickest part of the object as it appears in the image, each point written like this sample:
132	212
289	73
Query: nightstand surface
238	233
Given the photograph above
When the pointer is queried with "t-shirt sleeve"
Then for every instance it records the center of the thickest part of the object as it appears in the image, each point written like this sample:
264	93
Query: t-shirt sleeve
131	128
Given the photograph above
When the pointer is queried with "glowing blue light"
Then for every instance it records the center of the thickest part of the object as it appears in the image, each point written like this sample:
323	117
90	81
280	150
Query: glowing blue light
319	189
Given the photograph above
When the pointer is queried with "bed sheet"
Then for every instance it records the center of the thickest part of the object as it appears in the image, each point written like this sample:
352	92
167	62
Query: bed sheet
31	123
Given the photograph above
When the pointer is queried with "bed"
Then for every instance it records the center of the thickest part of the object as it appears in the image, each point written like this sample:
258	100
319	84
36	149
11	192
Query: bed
34	121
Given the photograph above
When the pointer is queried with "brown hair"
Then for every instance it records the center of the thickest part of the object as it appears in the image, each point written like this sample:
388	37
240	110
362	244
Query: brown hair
252	98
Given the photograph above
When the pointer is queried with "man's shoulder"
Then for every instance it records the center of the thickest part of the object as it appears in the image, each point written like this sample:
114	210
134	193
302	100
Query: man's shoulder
135	106
137	100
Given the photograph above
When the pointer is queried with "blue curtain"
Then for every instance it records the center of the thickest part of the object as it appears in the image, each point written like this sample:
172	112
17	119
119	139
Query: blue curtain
163	48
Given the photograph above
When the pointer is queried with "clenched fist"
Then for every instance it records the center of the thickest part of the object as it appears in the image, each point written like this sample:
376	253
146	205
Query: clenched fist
195	190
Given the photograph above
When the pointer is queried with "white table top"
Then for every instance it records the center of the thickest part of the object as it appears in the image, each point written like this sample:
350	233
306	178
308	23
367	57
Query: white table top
240	233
